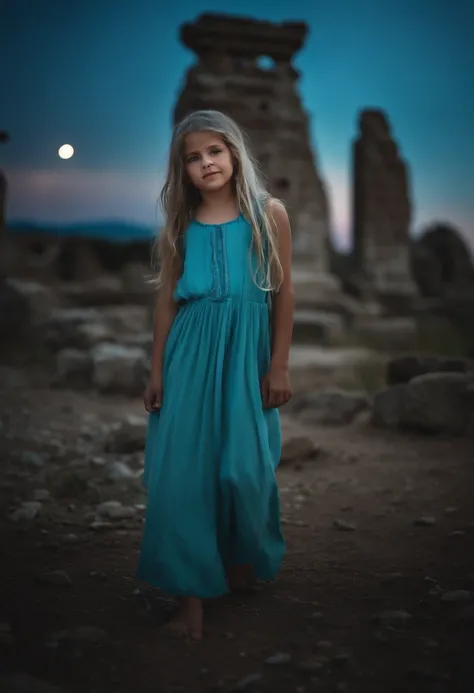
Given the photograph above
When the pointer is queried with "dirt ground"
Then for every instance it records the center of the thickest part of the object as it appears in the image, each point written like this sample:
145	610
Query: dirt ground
374	595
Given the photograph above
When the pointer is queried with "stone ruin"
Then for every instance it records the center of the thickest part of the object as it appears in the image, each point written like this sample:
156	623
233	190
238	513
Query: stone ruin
442	263
381	210
229	76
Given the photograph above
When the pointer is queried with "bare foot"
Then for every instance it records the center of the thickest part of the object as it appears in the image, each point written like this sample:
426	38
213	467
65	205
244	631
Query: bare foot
240	577
188	620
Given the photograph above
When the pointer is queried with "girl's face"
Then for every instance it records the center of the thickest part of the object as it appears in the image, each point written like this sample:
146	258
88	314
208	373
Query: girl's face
208	161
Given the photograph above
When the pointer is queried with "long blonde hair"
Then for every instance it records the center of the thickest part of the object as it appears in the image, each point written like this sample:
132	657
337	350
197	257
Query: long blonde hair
180	200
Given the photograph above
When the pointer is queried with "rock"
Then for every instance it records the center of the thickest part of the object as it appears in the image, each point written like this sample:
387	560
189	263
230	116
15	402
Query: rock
382	209
118	471
115	510
324	644
58	578
344	525
91	333
425	521
31	458
279	658
41	494
73	368
333	406
314	664
28	510
41	299
405	368
128	436
24	683
65	327
118	369
247	681
126	319
457	596
298	450
393	618
432	403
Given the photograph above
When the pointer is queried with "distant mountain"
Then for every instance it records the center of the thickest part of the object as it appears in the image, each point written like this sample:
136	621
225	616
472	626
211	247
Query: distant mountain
116	231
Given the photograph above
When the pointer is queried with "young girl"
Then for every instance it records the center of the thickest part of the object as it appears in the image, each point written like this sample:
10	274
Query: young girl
219	373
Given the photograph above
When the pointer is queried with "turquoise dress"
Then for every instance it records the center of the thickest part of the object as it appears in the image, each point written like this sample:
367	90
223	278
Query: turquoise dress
212	449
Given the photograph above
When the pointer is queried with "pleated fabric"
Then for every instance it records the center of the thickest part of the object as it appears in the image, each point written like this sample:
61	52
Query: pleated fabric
212	450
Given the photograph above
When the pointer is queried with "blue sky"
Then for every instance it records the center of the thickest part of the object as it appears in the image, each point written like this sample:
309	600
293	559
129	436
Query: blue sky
104	76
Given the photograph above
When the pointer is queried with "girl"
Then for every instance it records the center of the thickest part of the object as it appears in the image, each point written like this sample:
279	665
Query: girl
218	375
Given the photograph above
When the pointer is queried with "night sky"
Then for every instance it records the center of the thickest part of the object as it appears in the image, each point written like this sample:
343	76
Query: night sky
103	76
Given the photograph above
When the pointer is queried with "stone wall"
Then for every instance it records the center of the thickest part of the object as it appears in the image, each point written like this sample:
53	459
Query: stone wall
264	100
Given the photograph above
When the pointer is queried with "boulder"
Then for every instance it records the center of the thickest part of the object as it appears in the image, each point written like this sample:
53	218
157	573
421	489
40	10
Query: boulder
119	369
332	406
432	403
405	368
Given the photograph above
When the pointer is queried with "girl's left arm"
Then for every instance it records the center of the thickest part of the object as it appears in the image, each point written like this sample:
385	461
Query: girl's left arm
277	390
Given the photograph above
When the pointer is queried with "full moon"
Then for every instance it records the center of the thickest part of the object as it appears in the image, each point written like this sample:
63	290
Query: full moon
66	151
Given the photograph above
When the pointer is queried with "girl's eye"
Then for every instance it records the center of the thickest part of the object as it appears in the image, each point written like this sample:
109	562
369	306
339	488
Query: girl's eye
216	151
192	158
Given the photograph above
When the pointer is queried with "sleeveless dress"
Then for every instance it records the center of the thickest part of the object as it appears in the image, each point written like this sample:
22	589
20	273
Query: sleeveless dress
212	449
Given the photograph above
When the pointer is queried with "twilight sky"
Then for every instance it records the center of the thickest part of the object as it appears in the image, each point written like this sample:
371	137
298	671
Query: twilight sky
104	75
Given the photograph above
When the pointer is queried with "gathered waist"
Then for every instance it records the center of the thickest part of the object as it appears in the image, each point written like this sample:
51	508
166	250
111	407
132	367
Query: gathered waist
230	300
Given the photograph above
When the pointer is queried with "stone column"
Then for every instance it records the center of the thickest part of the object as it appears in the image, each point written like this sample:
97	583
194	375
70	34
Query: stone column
381	209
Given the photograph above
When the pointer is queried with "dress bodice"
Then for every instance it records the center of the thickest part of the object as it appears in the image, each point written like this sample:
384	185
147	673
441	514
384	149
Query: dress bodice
218	263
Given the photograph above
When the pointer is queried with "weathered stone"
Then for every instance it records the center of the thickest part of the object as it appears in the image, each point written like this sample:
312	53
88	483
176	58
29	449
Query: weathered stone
405	368
382	209
73	368
128	436
442	263
387	333
65	327
331	406
298	450
229	77
119	369
432	403
41	299
27	511
115	510
118	471
316	325
128	319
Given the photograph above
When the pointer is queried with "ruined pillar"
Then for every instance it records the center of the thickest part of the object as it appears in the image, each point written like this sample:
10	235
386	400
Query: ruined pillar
244	69
381	209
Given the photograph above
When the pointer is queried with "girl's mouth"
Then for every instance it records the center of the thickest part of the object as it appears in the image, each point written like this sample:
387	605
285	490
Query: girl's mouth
213	173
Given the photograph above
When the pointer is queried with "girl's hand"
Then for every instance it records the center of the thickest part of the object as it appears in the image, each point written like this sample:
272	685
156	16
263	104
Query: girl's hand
276	388
153	396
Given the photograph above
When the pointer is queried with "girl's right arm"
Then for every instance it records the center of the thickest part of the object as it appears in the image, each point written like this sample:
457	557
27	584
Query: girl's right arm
165	313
